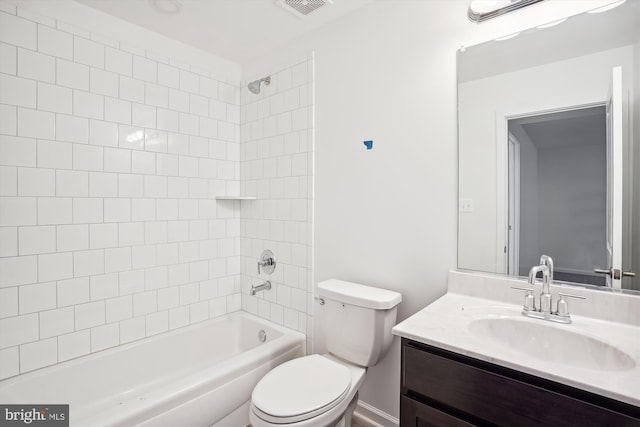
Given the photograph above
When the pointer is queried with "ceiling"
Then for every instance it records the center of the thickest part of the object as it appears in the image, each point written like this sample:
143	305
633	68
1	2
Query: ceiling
573	128
239	30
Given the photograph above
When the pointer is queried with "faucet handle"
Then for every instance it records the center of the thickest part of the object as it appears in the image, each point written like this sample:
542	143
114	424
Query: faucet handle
267	262
563	307
571	296
529	299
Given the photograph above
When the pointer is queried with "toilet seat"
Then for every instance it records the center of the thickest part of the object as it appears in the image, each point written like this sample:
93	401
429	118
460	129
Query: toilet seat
300	389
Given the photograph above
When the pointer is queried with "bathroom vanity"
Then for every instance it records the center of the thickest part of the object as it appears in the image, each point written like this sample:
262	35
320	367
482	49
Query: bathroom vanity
443	388
477	361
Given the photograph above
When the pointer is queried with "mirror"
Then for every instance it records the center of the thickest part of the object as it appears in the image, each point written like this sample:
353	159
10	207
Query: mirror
549	161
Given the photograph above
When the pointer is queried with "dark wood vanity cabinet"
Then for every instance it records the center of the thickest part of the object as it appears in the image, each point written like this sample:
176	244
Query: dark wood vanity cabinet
442	388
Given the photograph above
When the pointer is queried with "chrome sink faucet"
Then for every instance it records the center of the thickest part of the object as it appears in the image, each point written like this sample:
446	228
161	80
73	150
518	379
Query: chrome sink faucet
545	296
545	310
546	266
548	261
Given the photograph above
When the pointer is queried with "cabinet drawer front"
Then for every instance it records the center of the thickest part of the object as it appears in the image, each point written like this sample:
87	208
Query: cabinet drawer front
416	414
496	398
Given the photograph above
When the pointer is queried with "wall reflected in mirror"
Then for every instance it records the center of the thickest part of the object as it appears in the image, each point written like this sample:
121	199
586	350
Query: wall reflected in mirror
533	174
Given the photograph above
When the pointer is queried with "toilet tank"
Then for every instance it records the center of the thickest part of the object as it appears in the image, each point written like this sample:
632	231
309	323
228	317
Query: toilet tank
356	320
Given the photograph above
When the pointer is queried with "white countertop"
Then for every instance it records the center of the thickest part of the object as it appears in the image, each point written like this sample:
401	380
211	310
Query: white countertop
445	324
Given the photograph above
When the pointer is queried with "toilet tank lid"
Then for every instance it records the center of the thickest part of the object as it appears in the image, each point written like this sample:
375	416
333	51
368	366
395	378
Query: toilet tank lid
360	295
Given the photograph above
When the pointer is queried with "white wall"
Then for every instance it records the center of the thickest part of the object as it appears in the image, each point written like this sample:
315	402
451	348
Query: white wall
577	81
110	158
387	217
572	196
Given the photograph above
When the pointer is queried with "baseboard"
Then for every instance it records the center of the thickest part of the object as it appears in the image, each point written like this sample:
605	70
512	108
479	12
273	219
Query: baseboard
371	415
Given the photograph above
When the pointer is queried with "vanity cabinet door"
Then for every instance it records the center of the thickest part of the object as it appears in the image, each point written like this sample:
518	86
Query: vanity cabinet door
416	414
487	394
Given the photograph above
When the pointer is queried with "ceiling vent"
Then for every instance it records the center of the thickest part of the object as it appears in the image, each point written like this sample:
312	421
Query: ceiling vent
302	8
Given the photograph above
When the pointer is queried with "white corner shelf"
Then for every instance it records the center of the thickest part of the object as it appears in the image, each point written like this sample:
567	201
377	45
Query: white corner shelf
235	197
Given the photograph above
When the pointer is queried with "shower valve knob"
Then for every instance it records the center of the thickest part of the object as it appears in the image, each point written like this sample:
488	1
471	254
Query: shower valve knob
267	262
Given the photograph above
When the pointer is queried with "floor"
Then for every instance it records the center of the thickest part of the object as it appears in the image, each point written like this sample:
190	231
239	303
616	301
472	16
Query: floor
359	421
358	424
354	423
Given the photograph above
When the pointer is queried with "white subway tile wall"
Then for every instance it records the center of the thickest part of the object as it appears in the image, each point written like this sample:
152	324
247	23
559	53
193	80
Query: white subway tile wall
276	166
110	161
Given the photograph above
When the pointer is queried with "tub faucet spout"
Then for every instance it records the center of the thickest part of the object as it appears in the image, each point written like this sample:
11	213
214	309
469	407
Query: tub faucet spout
266	286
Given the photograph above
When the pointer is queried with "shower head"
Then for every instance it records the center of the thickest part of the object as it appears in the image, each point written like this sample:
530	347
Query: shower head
254	86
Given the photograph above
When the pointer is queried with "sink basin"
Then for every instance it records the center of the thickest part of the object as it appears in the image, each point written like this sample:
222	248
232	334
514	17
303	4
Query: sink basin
551	343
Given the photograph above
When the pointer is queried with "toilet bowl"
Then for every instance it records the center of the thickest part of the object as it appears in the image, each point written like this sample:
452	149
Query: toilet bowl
314	390
322	390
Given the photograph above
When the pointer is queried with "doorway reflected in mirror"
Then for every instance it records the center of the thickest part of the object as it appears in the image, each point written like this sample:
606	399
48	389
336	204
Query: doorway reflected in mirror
557	192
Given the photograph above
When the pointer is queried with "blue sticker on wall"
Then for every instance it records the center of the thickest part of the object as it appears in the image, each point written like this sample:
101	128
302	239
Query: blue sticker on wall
368	144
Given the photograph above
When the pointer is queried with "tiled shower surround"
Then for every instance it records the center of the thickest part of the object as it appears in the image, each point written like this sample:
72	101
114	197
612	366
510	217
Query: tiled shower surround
277	163
110	161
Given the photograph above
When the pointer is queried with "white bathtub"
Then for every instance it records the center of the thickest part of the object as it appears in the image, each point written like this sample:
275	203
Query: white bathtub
200	375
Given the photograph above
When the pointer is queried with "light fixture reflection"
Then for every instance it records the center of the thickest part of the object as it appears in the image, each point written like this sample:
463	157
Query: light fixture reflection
135	136
488	6
481	10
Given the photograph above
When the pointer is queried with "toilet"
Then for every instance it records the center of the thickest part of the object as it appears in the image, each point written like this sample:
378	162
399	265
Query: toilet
322	390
